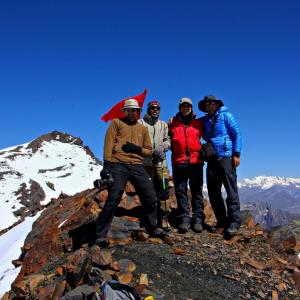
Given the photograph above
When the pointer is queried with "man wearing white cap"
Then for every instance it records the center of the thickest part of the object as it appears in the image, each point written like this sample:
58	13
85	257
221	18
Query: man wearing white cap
126	144
186	132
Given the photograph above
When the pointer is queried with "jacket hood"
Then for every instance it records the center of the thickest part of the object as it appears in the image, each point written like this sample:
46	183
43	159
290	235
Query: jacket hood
222	109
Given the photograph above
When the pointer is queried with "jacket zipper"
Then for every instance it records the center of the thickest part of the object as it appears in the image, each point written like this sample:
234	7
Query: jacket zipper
187	150
154	137
130	142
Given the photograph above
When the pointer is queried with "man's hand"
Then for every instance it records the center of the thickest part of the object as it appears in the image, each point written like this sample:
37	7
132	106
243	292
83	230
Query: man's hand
131	148
159	153
236	161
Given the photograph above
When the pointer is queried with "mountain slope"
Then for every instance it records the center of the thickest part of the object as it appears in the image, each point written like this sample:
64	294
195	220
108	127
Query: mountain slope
33	173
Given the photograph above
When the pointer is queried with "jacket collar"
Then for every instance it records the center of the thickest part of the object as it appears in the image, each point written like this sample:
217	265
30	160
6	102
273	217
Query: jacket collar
186	120
148	119
218	112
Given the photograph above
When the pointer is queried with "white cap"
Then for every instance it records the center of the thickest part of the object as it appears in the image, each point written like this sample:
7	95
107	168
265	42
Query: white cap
185	100
131	103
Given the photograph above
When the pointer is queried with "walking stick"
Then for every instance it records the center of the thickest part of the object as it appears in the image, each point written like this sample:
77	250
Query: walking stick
164	187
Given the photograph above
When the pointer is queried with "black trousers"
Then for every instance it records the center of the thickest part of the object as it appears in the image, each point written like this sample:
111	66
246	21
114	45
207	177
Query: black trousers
182	174
144	188
221	172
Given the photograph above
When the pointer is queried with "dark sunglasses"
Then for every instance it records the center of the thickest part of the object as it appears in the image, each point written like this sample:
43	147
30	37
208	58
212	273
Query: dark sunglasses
210	103
131	110
154	107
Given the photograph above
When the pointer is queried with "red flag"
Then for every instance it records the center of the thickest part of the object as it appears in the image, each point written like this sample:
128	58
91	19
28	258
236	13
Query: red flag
116	112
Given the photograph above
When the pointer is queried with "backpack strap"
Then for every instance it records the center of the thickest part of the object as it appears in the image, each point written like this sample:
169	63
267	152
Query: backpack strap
213	126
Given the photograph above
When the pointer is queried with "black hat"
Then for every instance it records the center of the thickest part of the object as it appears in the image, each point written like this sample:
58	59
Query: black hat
209	98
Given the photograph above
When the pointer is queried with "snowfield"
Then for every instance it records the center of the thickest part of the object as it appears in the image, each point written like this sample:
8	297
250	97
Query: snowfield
57	167
10	249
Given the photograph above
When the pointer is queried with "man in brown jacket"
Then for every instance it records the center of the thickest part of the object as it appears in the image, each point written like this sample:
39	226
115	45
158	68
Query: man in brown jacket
126	144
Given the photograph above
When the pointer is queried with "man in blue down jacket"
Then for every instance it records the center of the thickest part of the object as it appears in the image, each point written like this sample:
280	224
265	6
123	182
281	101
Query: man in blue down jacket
222	130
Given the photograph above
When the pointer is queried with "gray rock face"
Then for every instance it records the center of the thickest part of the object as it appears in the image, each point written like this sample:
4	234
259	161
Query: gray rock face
31	197
268	216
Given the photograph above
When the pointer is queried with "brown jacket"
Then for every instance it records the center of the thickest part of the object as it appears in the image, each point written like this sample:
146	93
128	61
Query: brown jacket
119	133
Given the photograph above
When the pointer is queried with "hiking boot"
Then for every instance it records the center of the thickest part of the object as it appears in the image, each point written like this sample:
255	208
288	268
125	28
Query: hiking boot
211	229
232	229
102	242
222	224
183	227
158	232
164	224
197	227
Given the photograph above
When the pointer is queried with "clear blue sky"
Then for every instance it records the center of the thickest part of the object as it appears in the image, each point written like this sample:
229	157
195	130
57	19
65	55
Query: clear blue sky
64	63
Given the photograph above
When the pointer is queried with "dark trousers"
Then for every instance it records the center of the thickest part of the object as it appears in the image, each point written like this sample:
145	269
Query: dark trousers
221	172
182	174
144	188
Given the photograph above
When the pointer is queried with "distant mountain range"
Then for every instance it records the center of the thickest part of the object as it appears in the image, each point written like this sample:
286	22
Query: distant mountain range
273	200
280	192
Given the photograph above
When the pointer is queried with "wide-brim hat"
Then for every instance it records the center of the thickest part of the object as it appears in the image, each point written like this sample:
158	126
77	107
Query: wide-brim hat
131	103
209	98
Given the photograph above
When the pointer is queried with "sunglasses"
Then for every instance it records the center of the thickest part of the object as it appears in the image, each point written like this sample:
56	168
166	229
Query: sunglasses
131	110
210	103
154	107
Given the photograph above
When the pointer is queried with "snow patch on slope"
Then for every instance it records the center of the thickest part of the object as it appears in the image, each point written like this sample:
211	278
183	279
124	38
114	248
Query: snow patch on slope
10	249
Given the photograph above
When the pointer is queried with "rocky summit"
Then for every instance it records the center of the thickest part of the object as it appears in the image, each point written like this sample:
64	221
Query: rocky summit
60	260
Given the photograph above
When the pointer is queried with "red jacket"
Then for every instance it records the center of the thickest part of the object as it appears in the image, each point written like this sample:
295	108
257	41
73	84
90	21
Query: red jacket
185	140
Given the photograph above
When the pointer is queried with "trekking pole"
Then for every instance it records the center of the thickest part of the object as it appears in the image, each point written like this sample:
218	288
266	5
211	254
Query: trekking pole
164	187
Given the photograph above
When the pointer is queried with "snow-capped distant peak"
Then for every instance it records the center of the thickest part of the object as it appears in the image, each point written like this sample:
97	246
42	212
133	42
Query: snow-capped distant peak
266	182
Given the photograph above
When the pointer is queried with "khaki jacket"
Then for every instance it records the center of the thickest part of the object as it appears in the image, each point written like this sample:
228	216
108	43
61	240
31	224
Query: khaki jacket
119	133
159	135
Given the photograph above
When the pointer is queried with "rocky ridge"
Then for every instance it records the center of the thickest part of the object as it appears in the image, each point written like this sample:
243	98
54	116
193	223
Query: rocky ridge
59	257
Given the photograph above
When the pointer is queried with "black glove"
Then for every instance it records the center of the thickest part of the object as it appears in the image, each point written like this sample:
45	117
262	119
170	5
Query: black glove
131	148
106	168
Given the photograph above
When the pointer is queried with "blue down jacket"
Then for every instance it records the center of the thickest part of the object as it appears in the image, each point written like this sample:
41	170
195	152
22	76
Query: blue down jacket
227	138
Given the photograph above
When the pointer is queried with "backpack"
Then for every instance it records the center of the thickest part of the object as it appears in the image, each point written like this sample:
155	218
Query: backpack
114	290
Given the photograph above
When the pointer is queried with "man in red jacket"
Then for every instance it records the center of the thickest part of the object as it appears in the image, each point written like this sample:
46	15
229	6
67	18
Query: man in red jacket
185	133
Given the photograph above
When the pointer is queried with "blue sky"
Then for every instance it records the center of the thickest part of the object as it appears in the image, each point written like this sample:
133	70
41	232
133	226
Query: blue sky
64	63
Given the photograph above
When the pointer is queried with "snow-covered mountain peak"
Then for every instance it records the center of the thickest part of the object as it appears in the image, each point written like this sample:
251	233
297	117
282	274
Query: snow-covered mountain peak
33	173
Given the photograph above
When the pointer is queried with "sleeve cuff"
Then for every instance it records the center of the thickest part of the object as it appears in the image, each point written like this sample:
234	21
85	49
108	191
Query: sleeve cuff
237	154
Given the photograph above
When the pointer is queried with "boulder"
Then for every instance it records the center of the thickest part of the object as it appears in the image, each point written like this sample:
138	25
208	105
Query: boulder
286	238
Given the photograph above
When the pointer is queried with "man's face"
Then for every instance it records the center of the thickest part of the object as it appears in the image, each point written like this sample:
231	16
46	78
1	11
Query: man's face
132	114
185	109
154	111
211	107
